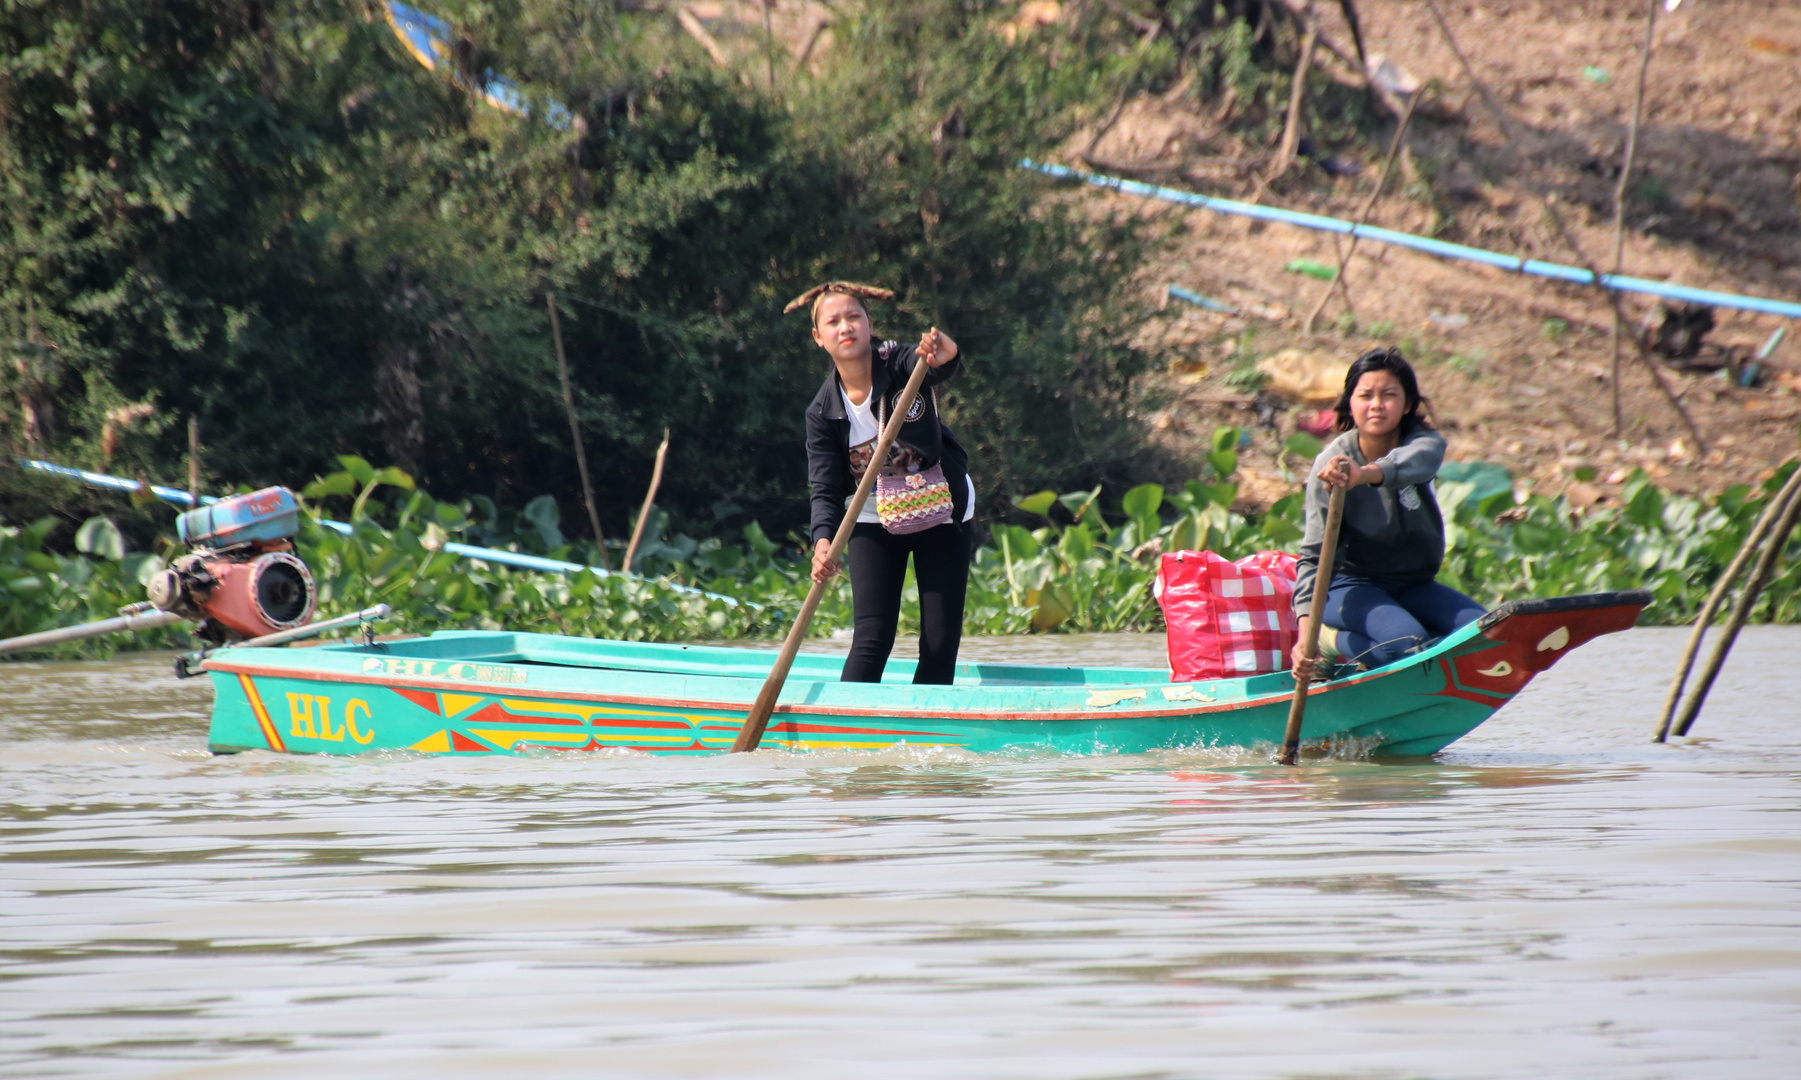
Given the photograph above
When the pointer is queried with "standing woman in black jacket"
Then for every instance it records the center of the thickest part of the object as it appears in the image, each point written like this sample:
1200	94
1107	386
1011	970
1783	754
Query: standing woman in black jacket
843	423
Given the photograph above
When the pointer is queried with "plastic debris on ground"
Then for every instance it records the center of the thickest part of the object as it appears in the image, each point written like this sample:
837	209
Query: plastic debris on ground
1316	422
1305	376
1312	269
1390	76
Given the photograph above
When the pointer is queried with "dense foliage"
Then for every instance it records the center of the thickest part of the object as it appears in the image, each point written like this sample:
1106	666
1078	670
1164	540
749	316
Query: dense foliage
268	216
1086	568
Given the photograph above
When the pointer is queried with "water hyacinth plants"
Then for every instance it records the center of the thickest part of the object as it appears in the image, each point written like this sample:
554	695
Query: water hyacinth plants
1071	562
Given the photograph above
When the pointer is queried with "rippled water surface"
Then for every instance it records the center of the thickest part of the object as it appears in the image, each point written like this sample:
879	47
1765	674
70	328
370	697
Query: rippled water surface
1552	896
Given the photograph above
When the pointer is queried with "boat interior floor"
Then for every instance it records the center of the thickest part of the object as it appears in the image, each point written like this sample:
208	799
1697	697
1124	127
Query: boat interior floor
711	661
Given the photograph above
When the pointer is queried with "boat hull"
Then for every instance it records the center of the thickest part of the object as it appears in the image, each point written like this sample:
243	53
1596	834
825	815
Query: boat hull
485	693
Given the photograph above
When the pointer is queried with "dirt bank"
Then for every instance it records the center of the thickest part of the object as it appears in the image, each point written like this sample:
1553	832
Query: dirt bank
1520	369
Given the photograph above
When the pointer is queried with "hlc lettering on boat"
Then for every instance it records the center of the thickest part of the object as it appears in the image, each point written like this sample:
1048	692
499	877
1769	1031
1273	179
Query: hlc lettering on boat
460	671
303	708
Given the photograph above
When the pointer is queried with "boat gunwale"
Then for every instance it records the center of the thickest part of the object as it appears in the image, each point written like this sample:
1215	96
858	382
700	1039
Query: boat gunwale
1177	708
1173	708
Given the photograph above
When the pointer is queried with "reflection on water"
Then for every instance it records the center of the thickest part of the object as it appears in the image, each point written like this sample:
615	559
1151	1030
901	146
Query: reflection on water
1551	896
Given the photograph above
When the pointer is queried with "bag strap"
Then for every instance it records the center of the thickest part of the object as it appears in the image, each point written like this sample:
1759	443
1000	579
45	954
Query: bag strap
882	422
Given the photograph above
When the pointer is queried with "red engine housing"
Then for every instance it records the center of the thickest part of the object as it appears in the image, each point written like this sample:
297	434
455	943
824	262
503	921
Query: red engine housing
273	591
252	590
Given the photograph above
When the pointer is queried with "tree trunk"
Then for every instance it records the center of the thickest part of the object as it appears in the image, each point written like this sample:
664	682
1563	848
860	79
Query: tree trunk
399	412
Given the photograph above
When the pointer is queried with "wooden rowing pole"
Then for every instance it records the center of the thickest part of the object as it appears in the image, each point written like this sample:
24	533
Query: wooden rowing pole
751	735
1322	584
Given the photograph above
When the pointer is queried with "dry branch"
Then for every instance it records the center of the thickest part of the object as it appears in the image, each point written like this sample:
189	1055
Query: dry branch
1619	199
1337	284
1297	95
695	30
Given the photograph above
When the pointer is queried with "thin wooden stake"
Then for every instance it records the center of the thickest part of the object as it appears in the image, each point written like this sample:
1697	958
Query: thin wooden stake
1703	618
650	497
1322	584
1337	283
575	430
1297	94
769	43
1619	311
1619	201
1766	566
194	462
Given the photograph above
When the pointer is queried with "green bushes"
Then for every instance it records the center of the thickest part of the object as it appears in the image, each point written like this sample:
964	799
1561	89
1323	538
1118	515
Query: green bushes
42	590
1079	569
403	565
1674	545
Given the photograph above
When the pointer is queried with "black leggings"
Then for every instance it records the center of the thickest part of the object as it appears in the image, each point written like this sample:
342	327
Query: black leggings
877	564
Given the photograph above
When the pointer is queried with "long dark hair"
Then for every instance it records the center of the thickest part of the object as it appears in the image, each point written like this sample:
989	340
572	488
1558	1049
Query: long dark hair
1388	359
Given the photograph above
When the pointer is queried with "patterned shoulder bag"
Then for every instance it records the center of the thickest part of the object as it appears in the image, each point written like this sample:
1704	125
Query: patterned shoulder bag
909	499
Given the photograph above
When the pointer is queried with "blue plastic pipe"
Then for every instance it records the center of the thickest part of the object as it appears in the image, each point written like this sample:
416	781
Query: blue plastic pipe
1512	263
467	551
1198	300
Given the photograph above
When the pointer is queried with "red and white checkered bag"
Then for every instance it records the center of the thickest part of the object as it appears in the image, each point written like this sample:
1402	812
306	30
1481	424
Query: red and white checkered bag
1227	620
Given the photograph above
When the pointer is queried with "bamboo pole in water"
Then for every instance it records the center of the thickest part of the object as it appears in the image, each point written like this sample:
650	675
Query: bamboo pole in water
1766	565
1704	618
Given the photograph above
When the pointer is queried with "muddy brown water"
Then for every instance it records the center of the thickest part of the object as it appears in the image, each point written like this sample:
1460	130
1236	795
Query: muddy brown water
1552	896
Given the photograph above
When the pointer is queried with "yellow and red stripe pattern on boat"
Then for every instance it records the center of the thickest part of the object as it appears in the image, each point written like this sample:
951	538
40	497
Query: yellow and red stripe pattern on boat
263	720
483	724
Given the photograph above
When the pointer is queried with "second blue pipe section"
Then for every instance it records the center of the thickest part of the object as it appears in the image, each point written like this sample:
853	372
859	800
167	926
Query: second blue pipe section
1443	249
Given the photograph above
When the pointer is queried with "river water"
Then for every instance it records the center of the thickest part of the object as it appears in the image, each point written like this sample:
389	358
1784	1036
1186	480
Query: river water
1552	896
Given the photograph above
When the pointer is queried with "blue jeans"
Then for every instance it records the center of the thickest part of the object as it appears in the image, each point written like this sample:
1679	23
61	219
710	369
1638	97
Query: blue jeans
1378	622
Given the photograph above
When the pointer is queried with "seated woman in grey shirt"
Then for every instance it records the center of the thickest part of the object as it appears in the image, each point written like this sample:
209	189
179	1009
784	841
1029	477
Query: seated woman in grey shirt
1382	602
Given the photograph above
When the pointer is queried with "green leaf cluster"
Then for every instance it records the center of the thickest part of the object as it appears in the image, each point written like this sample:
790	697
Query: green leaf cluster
41	589
1674	545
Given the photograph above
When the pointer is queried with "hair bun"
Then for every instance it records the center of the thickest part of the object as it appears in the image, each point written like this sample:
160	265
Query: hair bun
849	288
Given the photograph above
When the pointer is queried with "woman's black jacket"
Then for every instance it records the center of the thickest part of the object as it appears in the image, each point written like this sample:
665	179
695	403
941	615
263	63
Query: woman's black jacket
923	432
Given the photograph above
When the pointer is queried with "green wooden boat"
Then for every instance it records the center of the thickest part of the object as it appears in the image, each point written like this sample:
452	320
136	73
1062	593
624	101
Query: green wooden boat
471	692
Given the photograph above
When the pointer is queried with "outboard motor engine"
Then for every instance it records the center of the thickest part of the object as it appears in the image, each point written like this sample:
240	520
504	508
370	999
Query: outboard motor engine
242	579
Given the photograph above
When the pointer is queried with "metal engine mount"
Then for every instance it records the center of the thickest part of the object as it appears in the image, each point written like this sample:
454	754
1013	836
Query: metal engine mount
242	579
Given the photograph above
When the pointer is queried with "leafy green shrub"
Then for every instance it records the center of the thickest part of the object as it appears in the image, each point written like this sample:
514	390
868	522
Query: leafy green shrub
1079	570
1674	545
43	590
